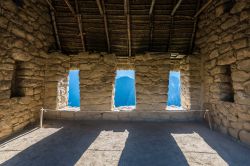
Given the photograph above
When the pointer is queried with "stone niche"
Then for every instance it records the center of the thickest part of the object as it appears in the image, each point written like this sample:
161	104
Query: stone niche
26	34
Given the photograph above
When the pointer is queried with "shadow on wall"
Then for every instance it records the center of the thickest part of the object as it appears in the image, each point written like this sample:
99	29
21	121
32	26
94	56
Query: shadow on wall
147	144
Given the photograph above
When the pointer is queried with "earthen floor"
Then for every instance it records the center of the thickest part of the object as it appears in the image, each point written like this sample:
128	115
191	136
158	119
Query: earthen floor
67	143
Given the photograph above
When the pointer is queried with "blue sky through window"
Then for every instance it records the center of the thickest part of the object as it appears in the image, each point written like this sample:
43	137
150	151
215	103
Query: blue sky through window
125	88
74	90
174	86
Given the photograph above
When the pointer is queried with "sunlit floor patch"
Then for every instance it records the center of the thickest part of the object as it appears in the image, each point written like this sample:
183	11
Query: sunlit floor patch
105	150
197	151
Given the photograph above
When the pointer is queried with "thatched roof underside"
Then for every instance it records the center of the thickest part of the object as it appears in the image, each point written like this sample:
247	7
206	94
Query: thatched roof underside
158	32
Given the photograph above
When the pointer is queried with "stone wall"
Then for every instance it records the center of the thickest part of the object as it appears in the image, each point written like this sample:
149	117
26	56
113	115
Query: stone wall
25	35
223	41
56	81
190	68
152	74
97	76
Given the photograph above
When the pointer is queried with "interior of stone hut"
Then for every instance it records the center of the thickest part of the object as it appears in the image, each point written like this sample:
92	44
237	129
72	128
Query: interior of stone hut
124	82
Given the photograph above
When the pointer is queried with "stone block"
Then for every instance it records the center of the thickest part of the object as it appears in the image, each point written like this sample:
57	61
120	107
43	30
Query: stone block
230	22
244	65
245	136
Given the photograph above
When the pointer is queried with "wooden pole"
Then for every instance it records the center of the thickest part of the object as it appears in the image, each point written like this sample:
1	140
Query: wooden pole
99	7
50	4
194	29
53	18
203	8
70	7
176	7
126	8
152	7
106	25
79	21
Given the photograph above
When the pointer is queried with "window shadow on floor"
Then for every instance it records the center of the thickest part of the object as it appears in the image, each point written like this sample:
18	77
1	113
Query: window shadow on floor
147	144
62	148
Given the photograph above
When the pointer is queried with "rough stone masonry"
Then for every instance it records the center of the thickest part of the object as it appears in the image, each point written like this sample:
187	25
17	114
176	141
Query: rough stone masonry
216	76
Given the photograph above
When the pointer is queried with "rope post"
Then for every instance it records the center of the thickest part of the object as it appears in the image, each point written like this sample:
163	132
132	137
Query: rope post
41	118
209	119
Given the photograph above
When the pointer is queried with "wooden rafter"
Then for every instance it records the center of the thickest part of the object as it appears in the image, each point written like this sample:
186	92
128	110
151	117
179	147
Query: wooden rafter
127	13
79	20
106	25
151	24
53	19
172	23
98	2
203	8
50	4
152	7
176	7
194	29
102	10
70	7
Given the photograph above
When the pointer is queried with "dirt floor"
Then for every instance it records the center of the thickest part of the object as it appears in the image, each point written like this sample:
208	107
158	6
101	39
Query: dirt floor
65	143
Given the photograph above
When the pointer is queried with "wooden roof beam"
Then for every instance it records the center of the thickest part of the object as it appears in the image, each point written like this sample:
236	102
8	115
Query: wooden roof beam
176	7
53	19
127	13
152	7
203	8
106	25
70	7
99	7
151	24
102	10
194	29
79	21
50	4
